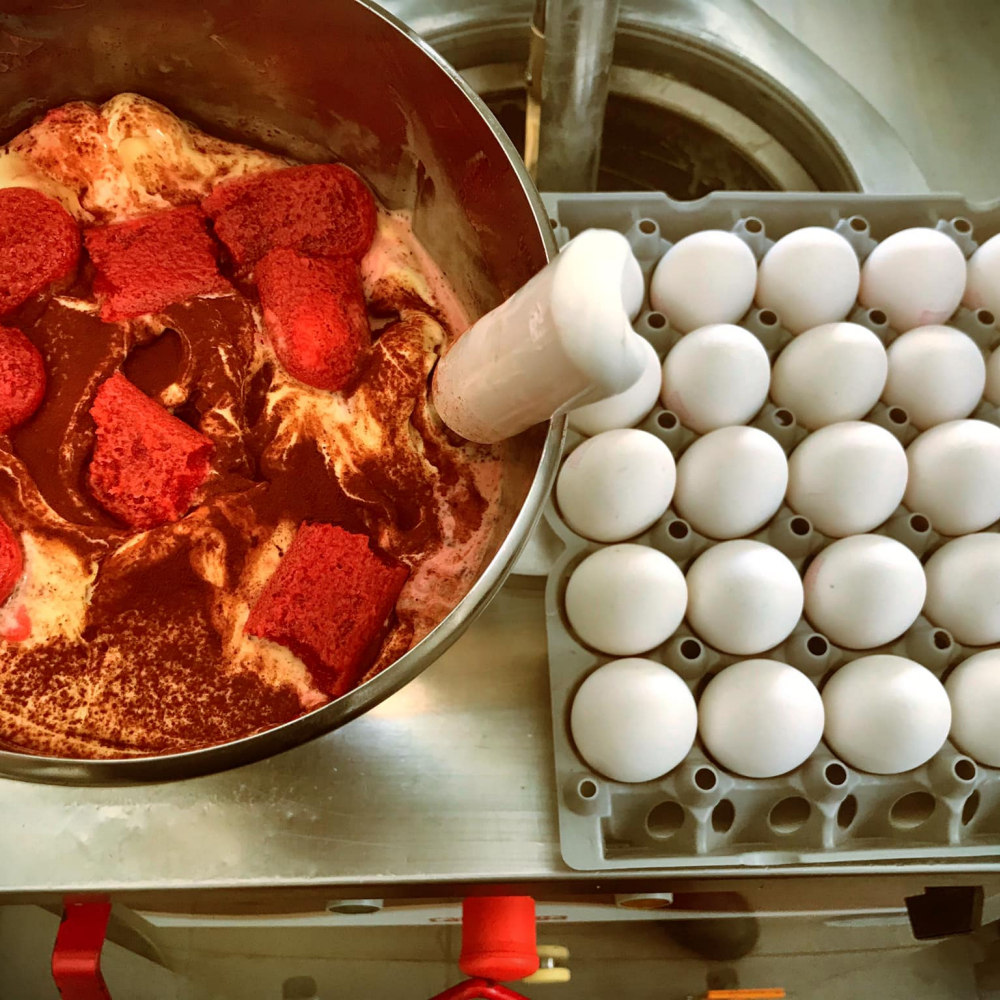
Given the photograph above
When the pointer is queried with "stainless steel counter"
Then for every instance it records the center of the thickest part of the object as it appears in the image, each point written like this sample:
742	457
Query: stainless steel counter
928	67
447	783
449	779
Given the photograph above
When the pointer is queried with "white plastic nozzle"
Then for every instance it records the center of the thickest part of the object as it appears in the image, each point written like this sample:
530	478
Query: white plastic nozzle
561	341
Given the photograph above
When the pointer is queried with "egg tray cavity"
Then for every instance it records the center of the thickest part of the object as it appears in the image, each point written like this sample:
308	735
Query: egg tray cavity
699	815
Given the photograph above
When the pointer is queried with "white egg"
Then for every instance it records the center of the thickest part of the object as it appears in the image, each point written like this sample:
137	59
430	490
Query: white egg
626	408
847	478
955	476
731	481
616	484
974	689
633	287
626	599
885	714
831	373
992	392
809	277
633	720
936	374
963	588
760	718
715	377
707	277
982	285
864	591
916	277
743	597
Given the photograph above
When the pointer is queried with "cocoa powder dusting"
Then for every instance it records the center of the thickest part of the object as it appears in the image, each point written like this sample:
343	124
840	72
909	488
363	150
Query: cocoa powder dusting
136	642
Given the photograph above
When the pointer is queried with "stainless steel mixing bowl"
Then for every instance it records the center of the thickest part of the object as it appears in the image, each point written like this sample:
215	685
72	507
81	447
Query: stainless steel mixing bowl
319	80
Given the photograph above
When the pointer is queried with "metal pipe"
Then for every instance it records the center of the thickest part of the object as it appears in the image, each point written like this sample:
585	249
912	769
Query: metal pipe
533	85
578	38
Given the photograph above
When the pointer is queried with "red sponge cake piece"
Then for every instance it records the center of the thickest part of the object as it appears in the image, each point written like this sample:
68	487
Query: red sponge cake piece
324	210
329	601
315	315
146	264
22	378
147	464
39	244
11	563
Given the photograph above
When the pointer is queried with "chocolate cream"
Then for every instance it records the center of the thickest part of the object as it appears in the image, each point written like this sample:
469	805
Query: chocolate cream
120	643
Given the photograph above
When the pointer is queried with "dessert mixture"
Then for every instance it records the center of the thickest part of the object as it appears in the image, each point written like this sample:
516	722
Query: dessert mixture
225	499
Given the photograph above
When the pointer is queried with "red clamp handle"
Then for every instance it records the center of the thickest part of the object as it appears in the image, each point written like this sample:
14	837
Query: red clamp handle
498	942
76	957
498	937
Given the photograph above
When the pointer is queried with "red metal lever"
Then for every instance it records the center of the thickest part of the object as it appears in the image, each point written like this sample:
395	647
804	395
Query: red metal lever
478	989
76	957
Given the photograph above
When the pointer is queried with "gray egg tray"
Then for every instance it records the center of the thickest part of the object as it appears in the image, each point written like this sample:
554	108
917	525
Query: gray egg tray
700	815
